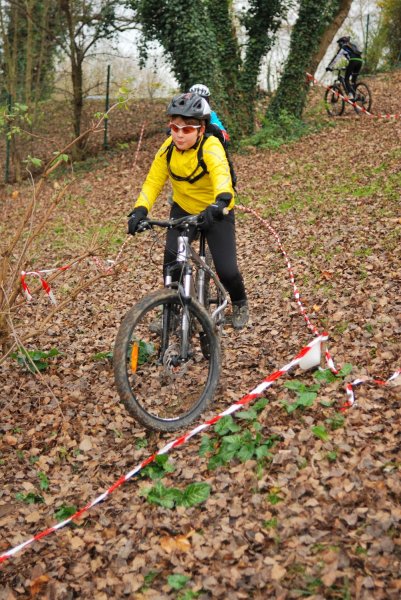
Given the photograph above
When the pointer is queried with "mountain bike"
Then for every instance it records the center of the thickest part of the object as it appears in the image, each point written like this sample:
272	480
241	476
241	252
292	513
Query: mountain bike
335	105
167	357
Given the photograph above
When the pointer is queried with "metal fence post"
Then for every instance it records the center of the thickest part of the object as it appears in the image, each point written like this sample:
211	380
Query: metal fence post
107	106
367	34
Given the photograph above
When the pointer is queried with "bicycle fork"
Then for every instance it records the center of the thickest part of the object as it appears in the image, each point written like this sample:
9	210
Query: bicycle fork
185	291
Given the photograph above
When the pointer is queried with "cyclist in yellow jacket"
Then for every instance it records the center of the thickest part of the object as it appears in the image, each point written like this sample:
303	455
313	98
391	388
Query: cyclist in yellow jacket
198	170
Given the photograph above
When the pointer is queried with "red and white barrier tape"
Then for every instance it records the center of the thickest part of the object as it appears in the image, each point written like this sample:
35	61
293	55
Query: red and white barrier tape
139	146
314	346
43	281
106	268
349	388
297	296
96	259
354	104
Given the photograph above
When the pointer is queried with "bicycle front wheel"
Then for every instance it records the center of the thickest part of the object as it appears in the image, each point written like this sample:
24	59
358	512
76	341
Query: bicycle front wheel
363	97
164	382
333	102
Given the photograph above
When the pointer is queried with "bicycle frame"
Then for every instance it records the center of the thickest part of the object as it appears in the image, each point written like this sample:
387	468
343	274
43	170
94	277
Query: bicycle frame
187	288
186	254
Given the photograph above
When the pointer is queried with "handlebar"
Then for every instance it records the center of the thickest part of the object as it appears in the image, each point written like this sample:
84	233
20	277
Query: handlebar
146	224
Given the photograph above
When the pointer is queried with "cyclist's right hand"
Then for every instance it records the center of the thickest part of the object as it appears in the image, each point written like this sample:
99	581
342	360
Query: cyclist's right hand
135	217
329	69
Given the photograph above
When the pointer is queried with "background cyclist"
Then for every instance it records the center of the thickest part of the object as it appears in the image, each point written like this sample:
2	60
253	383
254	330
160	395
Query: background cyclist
203	90
351	53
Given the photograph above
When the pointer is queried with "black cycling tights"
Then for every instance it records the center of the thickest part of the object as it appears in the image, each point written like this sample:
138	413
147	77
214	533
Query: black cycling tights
221	241
351	75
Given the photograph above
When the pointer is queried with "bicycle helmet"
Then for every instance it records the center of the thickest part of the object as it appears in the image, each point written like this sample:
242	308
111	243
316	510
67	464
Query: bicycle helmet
200	89
344	40
189	105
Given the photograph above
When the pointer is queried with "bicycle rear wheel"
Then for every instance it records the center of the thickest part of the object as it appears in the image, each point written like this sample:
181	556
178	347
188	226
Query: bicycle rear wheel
159	387
333	102
363	97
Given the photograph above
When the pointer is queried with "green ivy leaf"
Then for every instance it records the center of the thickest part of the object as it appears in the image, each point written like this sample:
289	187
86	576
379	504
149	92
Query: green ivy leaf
30	498
325	375
260	404
320	432
44	481
336	422
246	452
346	370
195	493
177	581
262	451
64	512
225	425
296	385
247	415
206	445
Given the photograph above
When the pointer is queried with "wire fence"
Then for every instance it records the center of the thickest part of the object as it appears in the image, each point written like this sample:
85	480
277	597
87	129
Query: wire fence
31	143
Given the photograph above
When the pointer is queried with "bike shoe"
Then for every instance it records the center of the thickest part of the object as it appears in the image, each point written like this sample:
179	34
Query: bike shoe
240	316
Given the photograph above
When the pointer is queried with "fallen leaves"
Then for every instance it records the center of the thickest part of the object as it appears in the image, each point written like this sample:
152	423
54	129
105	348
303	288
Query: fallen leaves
178	543
321	516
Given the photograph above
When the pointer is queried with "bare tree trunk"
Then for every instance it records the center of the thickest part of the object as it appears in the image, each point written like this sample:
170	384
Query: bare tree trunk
76	59
329	33
29	49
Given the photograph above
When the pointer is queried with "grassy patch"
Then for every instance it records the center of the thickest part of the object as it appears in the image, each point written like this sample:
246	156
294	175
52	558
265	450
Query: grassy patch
284	130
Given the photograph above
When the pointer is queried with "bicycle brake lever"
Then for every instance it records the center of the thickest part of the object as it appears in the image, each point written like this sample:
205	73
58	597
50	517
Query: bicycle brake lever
143	226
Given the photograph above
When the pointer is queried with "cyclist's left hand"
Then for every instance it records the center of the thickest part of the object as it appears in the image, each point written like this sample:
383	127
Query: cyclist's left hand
329	69
214	212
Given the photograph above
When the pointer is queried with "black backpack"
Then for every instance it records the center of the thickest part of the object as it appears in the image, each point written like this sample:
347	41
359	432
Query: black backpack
210	130
354	49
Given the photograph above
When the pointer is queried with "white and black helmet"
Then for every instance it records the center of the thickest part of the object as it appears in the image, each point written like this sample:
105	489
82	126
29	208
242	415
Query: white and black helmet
189	105
201	89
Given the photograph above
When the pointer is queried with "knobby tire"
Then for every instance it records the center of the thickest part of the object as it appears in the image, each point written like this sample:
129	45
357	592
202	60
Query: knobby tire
334	103
363	97
159	392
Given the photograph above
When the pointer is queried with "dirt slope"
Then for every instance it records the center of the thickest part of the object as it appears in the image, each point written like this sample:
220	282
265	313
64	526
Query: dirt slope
319	517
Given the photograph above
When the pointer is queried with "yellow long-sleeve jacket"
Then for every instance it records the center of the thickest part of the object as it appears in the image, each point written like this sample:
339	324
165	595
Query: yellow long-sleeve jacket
191	197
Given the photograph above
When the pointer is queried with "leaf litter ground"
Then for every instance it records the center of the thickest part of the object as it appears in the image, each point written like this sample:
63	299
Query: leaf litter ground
318	517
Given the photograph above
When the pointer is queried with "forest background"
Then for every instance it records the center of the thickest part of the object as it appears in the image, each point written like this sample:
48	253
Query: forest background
318	514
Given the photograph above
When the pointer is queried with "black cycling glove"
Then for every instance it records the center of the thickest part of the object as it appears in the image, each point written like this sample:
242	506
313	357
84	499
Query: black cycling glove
135	217
329	69
215	211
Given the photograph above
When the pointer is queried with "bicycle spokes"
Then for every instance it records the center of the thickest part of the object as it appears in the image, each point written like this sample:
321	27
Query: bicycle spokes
169	366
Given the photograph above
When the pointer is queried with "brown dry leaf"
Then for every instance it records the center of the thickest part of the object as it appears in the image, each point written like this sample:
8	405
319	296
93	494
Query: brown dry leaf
277	572
33	517
86	444
69	424
76	542
36	585
179	543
